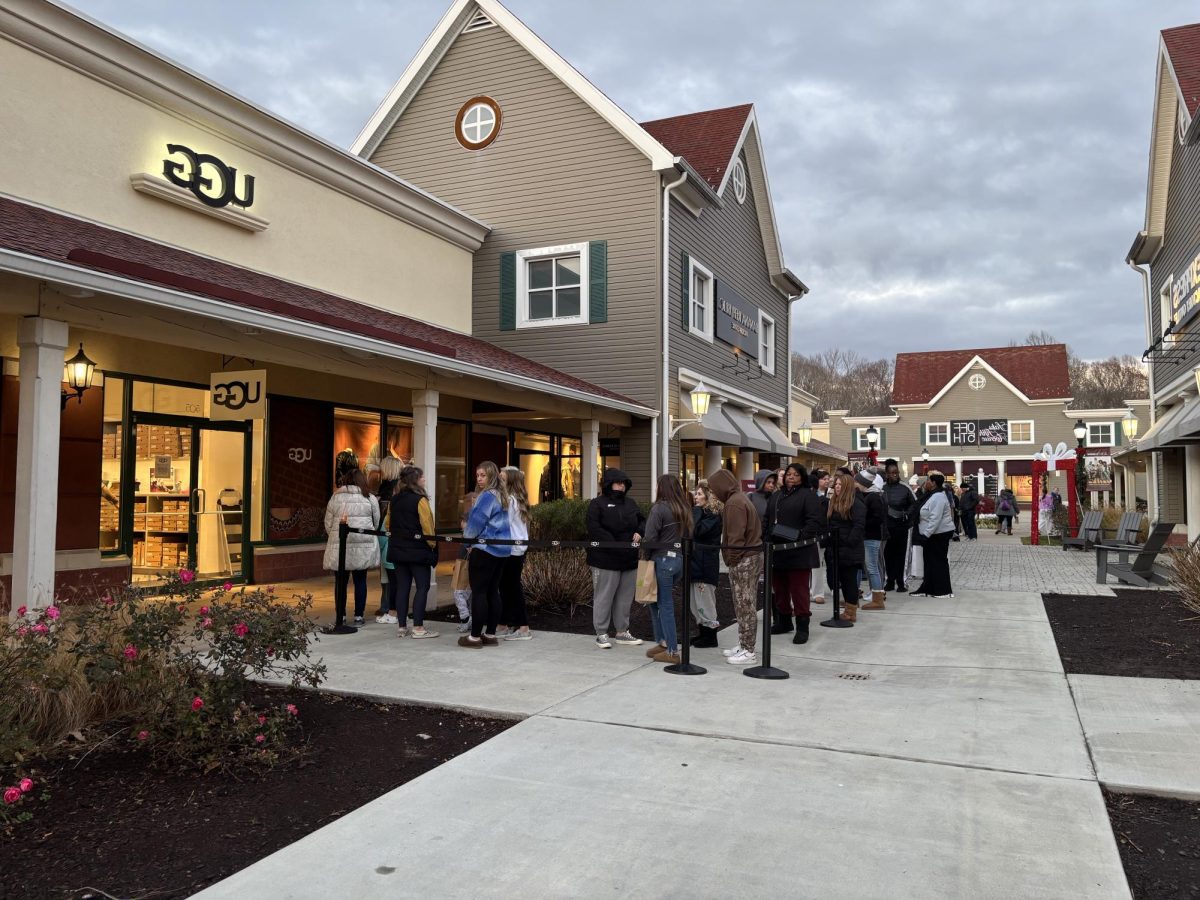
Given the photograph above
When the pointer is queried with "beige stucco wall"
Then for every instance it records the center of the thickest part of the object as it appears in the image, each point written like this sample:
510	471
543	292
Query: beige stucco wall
71	143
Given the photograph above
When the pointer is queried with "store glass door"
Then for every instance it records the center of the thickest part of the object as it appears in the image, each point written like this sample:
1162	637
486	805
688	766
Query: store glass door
218	504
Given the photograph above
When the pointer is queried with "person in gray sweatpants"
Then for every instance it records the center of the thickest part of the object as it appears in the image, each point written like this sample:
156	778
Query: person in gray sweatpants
613	516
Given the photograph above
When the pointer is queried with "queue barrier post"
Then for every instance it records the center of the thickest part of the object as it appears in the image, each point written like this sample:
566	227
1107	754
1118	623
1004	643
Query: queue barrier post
685	665
766	670
340	587
836	621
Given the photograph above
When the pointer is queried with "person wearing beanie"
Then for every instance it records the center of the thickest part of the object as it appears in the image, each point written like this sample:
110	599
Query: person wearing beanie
872	497
936	526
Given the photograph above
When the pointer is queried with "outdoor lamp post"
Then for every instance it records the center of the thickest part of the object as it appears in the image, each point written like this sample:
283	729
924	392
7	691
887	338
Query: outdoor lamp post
701	398
1081	431
1129	426
804	432
78	372
925	461
872	440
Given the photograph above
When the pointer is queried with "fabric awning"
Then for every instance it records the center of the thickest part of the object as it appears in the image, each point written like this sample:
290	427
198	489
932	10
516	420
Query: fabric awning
775	434
1179	425
714	428
750	436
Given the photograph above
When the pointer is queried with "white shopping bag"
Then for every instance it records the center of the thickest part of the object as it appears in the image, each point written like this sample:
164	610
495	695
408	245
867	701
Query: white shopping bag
917	566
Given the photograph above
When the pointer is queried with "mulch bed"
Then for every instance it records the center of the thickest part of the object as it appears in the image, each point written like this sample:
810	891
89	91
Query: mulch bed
580	621
1159	841
1143	634
111	824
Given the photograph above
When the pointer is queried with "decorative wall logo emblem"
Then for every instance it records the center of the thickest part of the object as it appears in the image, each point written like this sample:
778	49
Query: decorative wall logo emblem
199	171
238	396
234	395
300	455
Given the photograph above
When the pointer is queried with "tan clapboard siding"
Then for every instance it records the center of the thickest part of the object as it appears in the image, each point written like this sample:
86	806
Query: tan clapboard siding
636	453
557	174
729	243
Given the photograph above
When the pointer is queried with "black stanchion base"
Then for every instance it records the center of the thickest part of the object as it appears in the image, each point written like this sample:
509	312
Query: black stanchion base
339	629
685	669
837	623
769	672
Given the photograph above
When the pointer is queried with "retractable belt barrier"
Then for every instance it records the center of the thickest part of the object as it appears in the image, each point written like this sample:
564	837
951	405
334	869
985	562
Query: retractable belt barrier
685	547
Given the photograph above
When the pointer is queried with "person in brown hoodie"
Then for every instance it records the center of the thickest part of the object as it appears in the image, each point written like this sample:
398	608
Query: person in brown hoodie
742	528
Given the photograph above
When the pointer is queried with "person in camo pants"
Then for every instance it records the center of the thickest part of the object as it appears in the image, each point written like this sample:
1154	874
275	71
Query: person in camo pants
742	528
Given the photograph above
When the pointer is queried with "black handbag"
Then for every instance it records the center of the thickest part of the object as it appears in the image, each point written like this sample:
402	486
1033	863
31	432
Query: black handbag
784	534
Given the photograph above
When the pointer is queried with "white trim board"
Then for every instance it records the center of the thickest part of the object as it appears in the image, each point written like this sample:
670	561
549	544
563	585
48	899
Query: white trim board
691	378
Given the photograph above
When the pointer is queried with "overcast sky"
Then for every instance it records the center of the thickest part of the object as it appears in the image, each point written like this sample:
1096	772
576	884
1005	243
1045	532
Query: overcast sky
946	173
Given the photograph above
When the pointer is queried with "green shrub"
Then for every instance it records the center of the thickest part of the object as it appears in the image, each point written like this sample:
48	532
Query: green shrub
559	520
172	673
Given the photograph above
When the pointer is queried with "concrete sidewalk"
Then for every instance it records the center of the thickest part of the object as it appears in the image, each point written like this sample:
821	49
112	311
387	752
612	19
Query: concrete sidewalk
932	751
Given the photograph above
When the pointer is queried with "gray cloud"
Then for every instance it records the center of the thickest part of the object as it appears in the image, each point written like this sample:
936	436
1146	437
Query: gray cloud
945	173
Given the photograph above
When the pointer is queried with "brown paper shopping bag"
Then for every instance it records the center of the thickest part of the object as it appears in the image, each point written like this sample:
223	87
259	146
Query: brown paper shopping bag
647	583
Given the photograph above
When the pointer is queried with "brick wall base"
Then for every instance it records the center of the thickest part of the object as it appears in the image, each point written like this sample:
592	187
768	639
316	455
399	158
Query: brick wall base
274	567
75	586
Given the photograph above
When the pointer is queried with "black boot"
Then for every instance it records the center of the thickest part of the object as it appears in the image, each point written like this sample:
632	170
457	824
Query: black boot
890	585
783	624
801	630
902	588
706	638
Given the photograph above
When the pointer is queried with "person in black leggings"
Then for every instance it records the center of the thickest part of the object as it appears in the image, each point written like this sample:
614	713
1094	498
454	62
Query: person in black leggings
844	546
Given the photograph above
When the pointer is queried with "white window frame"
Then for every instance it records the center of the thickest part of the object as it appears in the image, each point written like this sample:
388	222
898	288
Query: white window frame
1165	311
1112	434
929	441
1182	122
737	178
971	381
1029	422
705	333
524	257
860	438
763	344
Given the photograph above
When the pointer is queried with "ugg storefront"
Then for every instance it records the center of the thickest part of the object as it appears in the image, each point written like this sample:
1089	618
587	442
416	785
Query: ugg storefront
254	301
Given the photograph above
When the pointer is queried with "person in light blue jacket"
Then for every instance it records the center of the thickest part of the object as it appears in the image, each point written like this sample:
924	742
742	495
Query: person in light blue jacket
489	520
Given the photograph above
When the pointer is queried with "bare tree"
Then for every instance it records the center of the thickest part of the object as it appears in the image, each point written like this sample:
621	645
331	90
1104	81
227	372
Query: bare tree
844	379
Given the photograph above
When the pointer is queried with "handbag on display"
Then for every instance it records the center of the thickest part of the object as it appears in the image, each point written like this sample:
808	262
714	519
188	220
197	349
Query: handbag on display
647	582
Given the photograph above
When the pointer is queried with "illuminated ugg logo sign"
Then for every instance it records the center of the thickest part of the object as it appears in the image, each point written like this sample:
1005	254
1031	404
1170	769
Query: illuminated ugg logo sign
199	171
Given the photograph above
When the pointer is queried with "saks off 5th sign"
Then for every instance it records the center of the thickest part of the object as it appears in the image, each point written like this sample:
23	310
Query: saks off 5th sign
238	396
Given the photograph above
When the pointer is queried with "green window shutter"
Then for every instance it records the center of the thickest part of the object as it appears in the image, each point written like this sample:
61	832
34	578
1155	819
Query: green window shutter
853	438
508	291
685	289
598	282
1117	433
922	442
882	438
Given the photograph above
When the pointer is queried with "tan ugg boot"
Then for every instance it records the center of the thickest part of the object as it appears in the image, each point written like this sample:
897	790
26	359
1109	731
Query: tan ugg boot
877	600
850	612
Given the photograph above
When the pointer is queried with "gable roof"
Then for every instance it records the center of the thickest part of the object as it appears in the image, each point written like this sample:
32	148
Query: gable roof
708	140
1038	373
1183	49
31	231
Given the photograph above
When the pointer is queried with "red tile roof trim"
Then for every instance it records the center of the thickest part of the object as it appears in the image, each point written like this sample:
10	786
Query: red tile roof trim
50	235
1183	46
705	139
1040	372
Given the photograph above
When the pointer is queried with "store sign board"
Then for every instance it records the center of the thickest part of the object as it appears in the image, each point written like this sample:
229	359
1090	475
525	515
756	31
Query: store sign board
238	396
162	466
199	171
979	433
1185	292
993	432
737	320
1099	466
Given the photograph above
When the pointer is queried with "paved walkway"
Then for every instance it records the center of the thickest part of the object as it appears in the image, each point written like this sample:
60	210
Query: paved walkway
935	750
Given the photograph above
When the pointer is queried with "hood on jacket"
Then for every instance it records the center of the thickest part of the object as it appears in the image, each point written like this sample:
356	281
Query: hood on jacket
723	484
761	478
615	476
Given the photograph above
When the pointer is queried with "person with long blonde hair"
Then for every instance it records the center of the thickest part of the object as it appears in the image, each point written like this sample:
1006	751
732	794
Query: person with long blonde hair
514	615
844	549
488	521
670	520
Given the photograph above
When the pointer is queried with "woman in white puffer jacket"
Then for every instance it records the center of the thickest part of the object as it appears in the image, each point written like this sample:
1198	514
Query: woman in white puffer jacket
353	504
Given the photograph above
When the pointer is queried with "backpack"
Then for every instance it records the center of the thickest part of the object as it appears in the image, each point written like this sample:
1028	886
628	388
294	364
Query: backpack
1005	508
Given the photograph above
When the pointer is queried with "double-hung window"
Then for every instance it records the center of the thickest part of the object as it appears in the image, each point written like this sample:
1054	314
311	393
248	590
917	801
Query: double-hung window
552	286
1100	434
937	433
701	294
766	343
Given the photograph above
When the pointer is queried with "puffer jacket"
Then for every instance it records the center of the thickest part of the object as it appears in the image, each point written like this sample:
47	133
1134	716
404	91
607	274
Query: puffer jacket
706	529
849	535
614	516
362	550
901	505
876	513
797	508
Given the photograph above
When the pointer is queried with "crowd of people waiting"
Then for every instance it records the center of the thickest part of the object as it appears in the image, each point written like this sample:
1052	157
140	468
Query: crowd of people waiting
859	525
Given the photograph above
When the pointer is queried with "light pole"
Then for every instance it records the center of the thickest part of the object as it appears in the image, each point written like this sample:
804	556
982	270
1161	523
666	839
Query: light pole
872	440
1081	431
925	461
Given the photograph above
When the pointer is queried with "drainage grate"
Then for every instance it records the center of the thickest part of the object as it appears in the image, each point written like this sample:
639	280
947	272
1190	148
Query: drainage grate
854	676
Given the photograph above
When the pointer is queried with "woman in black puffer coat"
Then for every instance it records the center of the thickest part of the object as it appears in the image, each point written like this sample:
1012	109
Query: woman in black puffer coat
844	546
794	513
706	564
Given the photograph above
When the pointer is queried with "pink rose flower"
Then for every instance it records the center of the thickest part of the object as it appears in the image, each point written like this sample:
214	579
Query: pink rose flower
259	738
204	610
52	612
187	576
41	628
197	705
262	720
131	651
143	735
270	651
109	601
26	785
228	585
23	630
183	607
12	795
292	711
241	629
21	610
206	622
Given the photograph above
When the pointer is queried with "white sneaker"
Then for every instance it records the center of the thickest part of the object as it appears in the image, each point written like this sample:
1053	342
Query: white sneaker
732	651
387	619
745	658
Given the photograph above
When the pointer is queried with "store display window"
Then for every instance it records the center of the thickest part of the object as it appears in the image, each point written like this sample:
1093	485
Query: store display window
451	474
112	439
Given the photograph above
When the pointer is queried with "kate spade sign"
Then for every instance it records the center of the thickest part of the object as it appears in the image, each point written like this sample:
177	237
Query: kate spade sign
736	320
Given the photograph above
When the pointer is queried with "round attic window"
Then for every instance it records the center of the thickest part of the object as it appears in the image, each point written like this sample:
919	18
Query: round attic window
977	382
737	177
478	123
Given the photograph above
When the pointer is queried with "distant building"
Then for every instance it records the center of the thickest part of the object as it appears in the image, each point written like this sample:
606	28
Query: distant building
1167	254
984	414
816	452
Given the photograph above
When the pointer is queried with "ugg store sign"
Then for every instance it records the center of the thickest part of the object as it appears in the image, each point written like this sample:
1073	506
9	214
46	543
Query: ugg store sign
238	396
